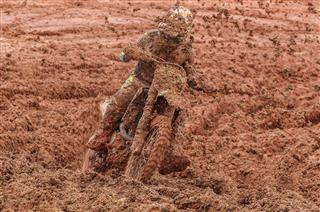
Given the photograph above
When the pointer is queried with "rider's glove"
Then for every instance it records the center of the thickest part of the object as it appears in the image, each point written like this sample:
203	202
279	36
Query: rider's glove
123	57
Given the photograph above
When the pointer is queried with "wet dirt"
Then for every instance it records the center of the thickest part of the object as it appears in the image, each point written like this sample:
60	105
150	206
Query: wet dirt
253	141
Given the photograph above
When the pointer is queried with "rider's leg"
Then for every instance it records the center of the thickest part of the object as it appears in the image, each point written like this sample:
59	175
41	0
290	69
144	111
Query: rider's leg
113	110
133	114
94	161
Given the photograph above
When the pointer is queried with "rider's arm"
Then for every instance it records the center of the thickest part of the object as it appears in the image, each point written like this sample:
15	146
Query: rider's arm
183	53
195	79
142	43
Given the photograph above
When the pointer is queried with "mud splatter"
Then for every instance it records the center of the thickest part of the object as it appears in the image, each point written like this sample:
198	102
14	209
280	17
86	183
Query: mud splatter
252	139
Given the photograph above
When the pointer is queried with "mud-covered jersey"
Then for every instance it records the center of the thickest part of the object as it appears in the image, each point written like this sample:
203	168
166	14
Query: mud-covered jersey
168	48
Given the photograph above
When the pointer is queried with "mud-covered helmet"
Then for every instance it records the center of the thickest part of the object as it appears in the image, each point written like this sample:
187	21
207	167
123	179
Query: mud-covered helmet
177	22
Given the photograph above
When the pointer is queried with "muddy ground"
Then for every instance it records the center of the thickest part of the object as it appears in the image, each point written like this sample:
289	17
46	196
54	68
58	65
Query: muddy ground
253	140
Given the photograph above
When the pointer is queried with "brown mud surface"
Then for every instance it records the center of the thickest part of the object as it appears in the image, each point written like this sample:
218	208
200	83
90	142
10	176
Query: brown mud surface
253	141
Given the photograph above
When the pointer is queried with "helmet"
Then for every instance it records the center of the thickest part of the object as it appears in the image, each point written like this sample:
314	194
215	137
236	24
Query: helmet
177	22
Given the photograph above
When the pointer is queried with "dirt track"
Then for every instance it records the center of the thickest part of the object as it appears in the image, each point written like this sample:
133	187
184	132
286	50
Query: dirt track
253	141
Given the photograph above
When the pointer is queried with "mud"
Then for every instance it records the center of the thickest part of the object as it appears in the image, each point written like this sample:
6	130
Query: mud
253	140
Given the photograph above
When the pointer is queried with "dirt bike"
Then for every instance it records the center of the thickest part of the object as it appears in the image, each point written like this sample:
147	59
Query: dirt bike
143	143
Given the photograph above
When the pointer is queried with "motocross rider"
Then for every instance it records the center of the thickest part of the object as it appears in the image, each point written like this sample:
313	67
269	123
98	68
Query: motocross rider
171	41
